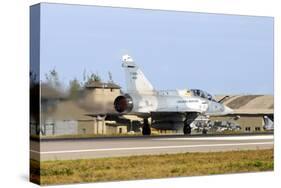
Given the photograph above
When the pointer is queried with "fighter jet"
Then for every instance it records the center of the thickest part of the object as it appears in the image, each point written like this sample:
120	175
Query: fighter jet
268	124
168	109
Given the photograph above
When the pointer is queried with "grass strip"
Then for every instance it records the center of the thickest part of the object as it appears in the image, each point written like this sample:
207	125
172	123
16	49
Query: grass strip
151	166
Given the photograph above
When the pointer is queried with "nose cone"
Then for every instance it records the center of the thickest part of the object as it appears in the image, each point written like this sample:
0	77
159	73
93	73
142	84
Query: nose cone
227	110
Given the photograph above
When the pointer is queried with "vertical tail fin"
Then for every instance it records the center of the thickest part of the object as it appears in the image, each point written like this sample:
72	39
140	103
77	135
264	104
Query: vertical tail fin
135	79
267	120
268	123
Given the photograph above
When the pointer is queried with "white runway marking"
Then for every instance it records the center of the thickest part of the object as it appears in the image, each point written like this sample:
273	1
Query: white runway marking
265	137
149	148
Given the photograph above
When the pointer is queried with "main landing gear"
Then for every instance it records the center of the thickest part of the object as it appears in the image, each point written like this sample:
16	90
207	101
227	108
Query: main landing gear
186	128
189	118
146	130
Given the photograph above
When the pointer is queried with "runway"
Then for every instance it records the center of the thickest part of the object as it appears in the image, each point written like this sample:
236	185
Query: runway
116	147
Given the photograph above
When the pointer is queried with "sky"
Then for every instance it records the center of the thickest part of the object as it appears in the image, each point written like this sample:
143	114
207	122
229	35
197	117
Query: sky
222	54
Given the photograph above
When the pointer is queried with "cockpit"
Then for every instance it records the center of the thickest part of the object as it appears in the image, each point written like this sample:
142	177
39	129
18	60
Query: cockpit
203	94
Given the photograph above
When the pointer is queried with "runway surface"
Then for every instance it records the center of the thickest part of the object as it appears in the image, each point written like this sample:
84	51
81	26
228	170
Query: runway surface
114	147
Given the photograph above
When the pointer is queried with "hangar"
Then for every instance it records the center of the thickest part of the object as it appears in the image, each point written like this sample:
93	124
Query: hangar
251	110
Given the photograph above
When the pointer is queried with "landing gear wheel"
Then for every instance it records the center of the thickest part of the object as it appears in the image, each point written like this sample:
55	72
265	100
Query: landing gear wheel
146	130
204	131
186	129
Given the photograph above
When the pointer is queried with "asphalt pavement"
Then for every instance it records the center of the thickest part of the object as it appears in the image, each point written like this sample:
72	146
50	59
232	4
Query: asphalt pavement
66	149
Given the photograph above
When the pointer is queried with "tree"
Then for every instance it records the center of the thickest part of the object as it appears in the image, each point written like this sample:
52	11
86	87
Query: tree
74	88
110	77
52	78
92	78
96	77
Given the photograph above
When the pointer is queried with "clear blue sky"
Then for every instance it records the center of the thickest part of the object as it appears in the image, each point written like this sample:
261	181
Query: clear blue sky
222	54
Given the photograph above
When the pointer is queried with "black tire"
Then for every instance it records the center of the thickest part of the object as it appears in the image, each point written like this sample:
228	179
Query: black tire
146	130
204	131
187	130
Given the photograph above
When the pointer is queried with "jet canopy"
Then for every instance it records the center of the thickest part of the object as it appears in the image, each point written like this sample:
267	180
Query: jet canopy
203	94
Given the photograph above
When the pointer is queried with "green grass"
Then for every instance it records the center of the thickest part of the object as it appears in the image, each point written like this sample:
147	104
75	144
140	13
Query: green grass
151	166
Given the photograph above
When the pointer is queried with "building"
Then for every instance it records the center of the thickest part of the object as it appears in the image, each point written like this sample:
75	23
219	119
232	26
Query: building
99	96
250	110
86	115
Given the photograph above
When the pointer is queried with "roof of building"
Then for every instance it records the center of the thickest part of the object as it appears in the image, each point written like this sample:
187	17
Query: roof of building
97	84
253	111
249	104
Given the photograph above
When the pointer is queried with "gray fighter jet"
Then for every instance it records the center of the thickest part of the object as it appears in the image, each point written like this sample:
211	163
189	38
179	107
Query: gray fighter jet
168	109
